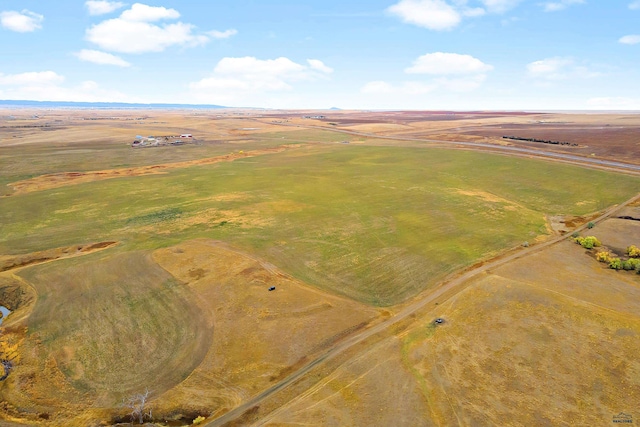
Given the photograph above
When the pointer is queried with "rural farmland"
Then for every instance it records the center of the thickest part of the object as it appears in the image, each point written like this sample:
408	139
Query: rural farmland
272	274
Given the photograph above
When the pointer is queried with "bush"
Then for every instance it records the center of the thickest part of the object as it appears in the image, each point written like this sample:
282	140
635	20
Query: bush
631	264
615	264
590	225
198	420
604	256
588	242
575	234
633	251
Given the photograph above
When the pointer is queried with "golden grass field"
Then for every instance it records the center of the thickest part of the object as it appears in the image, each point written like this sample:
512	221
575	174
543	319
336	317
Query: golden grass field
550	340
127	269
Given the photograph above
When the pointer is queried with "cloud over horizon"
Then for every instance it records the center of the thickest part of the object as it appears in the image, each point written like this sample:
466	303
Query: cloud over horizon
450	72
234	79
447	63
49	86
559	68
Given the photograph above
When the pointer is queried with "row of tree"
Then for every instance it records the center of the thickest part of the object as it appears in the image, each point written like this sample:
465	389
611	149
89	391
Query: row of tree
631	263
544	141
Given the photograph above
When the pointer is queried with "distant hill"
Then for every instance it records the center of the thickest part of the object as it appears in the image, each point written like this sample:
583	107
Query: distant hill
69	104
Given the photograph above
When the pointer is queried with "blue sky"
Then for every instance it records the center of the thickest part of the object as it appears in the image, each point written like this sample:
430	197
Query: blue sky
376	54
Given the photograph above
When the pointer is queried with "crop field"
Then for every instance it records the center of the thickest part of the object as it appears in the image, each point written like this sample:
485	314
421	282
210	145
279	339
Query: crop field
377	224
129	269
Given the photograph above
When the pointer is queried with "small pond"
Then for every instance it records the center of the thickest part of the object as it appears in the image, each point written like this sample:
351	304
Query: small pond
5	312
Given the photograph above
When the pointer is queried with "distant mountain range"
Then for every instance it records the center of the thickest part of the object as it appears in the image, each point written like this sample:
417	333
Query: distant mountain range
62	104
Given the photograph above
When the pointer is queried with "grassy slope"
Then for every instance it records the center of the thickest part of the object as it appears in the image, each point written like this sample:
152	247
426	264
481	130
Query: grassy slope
378	224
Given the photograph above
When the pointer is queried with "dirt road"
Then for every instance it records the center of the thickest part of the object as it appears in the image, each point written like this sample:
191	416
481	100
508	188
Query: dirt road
568	158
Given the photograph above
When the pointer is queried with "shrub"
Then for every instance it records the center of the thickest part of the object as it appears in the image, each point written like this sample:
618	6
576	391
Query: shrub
633	251
604	256
616	264
631	264
198	420
588	242
575	234
590	225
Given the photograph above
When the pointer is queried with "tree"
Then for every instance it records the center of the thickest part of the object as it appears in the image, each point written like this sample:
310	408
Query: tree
588	242
590	225
604	256
616	264
631	264
137	405
633	251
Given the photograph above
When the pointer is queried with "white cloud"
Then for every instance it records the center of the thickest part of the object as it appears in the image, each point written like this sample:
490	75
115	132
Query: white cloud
634	5
404	88
237	80
377	87
143	13
431	14
614	103
21	22
31	78
500	6
451	72
222	34
443	15
474	12
102	7
318	65
559	68
48	86
133	32
630	39
102	58
560	5
460	84
447	63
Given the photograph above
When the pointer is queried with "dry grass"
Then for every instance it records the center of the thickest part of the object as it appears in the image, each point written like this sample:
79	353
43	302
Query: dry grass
550	340
195	324
260	336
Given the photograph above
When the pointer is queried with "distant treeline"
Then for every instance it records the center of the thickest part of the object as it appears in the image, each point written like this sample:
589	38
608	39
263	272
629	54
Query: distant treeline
26	126
544	141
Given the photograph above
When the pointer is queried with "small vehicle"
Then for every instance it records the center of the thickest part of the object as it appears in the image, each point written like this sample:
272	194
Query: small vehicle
439	320
272	288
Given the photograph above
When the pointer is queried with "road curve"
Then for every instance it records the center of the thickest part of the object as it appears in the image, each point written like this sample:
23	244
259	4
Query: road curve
403	314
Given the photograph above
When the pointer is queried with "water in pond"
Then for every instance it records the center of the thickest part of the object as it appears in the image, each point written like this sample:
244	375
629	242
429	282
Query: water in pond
5	312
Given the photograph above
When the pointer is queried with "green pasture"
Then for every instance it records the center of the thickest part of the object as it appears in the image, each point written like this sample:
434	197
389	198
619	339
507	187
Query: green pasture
378	224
